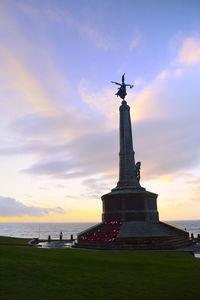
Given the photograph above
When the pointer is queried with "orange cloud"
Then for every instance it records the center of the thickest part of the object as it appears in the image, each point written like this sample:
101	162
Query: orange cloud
189	53
22	81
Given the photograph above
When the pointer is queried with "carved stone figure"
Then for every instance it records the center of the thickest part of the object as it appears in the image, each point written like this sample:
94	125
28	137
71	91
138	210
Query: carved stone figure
138	167
122	90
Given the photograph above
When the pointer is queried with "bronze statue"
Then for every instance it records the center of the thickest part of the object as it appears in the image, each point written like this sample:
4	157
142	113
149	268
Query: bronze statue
138	167
122	90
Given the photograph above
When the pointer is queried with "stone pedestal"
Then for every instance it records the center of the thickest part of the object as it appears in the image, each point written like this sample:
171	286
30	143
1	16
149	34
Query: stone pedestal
130	205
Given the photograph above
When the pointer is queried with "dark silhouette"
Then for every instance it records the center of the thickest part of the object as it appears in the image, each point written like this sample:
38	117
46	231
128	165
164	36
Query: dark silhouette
138	167
122	90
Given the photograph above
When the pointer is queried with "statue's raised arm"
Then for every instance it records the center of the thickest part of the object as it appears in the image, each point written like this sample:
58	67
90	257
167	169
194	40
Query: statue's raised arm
122	90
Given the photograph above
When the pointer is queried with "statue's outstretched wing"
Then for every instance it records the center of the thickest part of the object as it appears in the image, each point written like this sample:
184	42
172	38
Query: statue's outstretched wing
116	82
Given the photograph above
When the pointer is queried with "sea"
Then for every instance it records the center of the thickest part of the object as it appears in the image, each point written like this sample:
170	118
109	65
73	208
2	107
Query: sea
43	230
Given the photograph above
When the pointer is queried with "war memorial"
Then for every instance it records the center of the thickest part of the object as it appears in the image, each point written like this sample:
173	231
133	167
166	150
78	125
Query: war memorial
130	218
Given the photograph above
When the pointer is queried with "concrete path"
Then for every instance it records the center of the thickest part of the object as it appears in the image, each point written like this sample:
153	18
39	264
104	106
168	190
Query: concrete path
55	244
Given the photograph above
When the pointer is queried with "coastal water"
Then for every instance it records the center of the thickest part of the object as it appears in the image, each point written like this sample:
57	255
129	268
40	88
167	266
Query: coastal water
43	230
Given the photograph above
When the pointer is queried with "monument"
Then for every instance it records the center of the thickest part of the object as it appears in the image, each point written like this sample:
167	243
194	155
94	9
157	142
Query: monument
130	218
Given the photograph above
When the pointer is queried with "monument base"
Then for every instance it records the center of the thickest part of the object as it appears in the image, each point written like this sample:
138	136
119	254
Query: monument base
130	221
130	205
133	235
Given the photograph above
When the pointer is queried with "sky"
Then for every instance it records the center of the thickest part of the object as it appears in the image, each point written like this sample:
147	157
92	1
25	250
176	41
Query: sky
59	115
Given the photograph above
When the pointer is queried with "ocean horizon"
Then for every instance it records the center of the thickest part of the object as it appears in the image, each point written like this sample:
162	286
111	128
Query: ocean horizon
43	230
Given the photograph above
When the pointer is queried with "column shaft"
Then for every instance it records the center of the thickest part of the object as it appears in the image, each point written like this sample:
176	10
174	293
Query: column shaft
127	169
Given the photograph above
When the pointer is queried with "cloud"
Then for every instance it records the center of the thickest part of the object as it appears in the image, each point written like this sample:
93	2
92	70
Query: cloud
27	89
10	207
71	143
100	102
192	186
64	16
69	123
165	120
60	168
96	151
86	31
99	185
165	131
86	155
147	103
71	197
167	146
33	146
164	147
136	40
189	52
92	34
163	75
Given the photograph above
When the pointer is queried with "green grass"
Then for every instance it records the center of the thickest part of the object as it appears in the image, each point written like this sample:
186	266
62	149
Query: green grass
78	274
4	240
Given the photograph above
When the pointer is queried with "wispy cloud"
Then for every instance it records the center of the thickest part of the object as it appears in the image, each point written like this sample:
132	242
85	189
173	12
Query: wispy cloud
80	157
10	207
83	28
93	35
167	146
189	52
69	123
192	186
100	102
136	40
28	90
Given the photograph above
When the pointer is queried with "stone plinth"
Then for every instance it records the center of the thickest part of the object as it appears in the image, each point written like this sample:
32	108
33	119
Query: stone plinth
130	205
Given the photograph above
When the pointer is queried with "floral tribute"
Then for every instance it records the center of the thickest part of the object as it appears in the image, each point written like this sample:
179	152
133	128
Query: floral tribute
106	232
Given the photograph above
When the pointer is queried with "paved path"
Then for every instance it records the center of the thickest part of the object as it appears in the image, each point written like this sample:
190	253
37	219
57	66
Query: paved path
55	244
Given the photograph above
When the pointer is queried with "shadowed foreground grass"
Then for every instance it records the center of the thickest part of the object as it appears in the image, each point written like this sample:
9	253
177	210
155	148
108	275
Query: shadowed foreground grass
27	273
5	240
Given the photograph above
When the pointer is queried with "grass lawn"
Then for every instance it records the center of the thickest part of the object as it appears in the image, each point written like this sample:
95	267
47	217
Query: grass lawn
4	240
28	273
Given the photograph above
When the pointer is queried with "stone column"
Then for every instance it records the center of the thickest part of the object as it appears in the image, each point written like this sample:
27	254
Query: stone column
127	169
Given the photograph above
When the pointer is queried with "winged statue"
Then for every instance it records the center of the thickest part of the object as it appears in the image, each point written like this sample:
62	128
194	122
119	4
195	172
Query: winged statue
122	89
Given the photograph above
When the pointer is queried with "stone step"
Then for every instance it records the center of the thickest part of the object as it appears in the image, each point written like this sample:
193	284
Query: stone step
164	244
136	236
